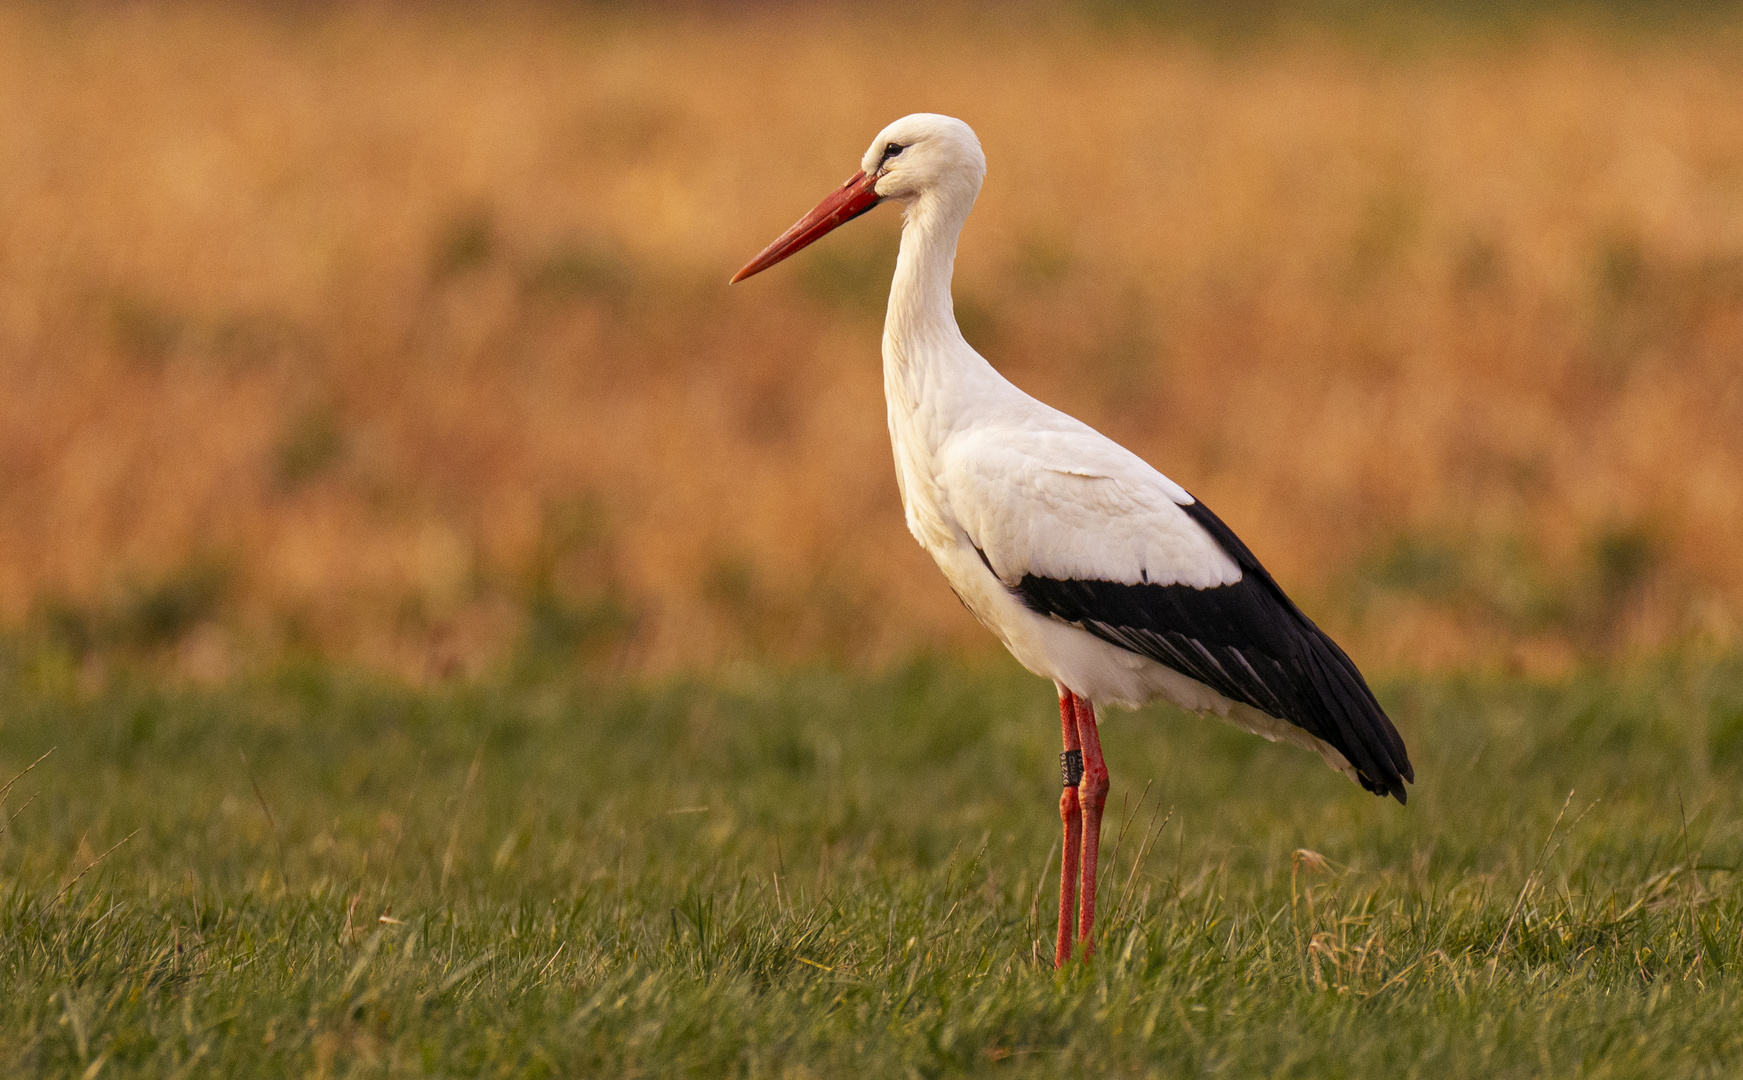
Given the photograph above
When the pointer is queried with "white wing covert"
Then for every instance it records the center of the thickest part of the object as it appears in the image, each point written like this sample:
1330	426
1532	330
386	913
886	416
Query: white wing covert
1075	505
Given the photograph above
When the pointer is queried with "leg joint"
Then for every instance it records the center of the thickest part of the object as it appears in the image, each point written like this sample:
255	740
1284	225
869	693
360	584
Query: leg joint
1094	783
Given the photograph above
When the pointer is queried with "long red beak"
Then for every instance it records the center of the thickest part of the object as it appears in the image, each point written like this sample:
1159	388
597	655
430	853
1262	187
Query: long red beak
845	203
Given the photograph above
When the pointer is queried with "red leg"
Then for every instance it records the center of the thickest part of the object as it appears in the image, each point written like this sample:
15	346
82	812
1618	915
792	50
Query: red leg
1092	796
1072	819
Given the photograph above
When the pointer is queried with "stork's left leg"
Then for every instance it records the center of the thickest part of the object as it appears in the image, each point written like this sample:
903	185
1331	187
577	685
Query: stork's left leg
1071	817
1092	795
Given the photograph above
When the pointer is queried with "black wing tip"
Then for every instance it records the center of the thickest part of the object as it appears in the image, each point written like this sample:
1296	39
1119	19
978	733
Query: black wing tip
1385	747
1393	787
1402	772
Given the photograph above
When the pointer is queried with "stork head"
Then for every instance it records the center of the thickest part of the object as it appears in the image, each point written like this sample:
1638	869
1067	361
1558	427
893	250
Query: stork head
920	160
926	154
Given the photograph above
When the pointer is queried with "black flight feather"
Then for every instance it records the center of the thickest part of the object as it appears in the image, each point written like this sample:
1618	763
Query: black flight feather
1248	642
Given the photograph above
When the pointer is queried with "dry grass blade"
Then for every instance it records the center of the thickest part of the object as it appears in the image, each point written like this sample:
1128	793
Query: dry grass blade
14	815
547	966
780	870
364	956
460	975
1531	878
271	822
1313	860
7	790
1128	812
944	923
1145	846
1035	904
399	832
4	791
94	863
459	815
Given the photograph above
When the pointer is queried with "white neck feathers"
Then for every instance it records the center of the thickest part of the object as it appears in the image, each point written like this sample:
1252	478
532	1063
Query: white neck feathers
925	355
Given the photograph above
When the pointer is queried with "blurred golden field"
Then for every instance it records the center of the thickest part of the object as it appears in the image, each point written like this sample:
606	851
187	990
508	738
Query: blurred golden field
402	335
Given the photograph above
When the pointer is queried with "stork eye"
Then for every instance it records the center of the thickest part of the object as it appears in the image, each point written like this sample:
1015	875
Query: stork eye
891	151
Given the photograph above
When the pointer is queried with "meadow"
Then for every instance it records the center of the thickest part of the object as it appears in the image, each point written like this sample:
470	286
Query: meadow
808	873
445	630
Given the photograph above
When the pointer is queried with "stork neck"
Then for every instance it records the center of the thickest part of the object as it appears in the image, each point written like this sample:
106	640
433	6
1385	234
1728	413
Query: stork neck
920	311
933	382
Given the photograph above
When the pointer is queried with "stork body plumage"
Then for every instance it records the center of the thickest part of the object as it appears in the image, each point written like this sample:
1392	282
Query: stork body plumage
1094	569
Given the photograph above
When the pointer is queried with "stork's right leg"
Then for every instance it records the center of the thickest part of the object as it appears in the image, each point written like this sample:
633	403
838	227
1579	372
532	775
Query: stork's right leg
1071	765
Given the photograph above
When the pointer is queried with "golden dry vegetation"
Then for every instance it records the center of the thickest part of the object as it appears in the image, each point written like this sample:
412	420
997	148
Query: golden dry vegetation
403	337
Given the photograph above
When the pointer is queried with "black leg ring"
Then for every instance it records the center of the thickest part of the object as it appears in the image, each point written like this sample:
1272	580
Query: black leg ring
1071	767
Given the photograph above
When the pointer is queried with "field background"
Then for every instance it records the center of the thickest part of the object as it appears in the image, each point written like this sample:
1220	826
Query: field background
469	639
401	336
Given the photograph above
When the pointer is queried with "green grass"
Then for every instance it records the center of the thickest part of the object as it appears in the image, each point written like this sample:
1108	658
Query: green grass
820	874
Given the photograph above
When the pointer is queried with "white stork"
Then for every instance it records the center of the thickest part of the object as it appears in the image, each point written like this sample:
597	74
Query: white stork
1094	569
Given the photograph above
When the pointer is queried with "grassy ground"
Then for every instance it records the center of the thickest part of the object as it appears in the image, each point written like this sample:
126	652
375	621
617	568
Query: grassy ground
325	874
